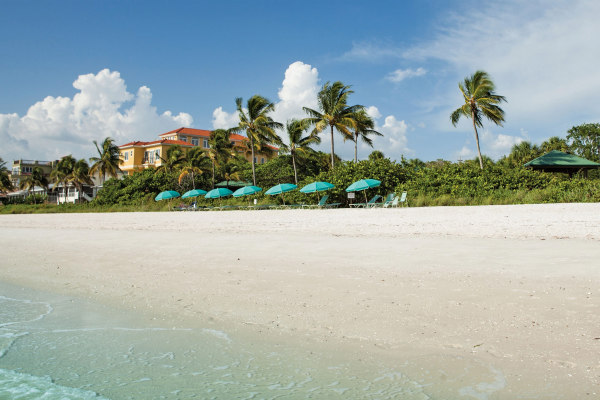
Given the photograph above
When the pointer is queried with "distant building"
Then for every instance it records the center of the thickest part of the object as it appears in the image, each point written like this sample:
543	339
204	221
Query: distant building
56	193
140	155
23	168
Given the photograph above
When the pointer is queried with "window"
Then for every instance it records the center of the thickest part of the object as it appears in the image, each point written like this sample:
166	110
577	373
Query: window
262	160
126	156
184	138
195	141
255	160
15	171
205	143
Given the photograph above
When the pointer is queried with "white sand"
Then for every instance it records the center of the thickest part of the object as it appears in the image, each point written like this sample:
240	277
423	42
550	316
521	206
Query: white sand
512	287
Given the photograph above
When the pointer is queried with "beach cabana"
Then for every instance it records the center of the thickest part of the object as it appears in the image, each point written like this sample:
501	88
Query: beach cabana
558	161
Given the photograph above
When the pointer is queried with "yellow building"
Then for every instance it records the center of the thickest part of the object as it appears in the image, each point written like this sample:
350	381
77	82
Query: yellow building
140	155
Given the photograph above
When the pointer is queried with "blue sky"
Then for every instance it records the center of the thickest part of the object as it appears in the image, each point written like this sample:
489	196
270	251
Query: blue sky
72	71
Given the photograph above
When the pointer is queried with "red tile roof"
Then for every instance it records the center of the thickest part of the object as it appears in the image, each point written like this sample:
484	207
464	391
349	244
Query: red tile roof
188	131
161	141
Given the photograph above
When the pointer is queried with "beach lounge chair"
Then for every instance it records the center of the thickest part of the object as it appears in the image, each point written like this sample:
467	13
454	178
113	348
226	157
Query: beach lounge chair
320	204
371	203
392	203
388	200
403	200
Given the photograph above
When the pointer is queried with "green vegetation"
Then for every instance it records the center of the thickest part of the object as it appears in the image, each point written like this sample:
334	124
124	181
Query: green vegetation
5	183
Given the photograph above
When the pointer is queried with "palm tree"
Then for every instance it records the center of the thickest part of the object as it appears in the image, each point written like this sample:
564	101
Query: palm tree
174	156
259	127
522	153
61	173
554	143
364	126
37	178
298	145
79	176
480	101
334	112
194	162
108	160
220	149
231	172
5	182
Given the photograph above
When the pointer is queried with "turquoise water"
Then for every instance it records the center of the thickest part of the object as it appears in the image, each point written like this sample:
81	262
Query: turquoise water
55	347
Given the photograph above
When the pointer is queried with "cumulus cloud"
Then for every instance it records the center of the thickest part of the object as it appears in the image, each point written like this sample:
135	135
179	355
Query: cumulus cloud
497	145
373	112
394	141
298	89
401	74
57	126
224	120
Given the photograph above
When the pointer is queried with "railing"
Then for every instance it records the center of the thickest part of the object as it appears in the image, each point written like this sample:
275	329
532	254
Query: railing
33	162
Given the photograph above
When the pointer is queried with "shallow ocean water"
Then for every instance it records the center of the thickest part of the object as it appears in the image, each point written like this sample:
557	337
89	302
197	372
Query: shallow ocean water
54	347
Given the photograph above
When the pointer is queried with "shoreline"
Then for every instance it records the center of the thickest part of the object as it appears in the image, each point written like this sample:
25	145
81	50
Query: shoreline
513	286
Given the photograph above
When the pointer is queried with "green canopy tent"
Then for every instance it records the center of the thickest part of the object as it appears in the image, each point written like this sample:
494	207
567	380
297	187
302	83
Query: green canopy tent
558	161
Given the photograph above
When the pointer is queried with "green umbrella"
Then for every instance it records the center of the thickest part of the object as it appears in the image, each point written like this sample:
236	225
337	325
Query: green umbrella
363	184
218	193
246	191
193	193
281	189
316	187
166	195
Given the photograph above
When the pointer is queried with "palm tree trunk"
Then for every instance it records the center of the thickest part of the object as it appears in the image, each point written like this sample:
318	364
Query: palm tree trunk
332	152
295	172
193	181
252	148
213	171
477	140
356	148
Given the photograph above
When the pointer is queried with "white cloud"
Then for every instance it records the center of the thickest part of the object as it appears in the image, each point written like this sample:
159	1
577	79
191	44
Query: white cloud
497	145
298	89
401	74
466	153
373	112
57	126
224	120
394	132
394	141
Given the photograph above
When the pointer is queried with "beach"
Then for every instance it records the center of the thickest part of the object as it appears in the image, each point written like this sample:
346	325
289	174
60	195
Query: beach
514	289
